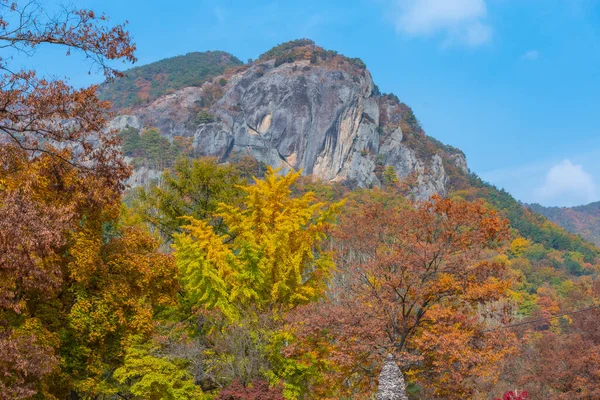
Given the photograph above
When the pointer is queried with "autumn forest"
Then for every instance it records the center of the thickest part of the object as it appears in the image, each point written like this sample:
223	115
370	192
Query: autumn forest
240	280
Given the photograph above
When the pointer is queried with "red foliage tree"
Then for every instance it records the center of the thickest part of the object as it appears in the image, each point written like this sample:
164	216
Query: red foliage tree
59	170
412	281
560	365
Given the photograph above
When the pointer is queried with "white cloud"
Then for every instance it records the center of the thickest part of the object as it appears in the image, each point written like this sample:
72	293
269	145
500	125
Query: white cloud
531	55
461	21
567	184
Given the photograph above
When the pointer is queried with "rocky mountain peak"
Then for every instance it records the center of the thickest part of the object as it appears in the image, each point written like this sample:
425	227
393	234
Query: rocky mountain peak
302	107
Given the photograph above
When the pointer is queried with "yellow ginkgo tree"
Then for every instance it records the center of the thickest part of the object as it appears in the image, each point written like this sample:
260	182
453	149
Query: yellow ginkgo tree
270	260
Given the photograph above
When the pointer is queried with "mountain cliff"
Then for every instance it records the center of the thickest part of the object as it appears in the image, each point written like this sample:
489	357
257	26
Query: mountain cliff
302	107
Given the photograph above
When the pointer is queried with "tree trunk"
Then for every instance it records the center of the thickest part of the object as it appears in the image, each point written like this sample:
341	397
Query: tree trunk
391	381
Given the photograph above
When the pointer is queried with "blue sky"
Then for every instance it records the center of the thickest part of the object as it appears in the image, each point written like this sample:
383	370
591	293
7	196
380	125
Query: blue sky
515	84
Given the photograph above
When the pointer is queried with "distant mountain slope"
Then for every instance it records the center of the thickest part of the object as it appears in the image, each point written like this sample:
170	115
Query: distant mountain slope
583	220
535	227
148	82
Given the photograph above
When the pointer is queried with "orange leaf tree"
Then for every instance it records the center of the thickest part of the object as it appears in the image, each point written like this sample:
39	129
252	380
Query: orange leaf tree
412	281
75	283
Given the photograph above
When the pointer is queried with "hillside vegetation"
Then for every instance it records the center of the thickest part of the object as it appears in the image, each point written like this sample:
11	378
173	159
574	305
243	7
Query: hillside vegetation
582	220
148	82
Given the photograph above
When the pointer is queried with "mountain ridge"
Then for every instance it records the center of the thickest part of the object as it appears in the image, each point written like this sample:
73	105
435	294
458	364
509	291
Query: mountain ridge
583	220
146	83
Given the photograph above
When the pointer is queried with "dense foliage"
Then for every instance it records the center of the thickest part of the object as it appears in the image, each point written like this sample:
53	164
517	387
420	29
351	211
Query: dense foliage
556	272
413	282
150	149
192	189
77	283
269	259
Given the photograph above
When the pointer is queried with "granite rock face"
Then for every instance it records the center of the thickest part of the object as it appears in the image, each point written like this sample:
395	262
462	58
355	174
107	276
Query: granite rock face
125	121
319	119
391	381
